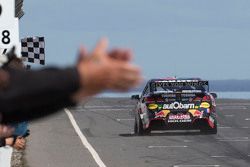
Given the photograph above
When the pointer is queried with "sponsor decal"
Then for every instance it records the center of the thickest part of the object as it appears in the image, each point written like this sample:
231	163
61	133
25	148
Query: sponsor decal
168	95
195	113
179	118
152	106
186	99
179	121
178	105
188	95
211	119
204	105
179	84
162	114
160	106
159	114
211	122
142	116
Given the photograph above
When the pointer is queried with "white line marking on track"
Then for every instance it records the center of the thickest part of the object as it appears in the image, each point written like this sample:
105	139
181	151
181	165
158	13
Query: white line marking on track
167	146
84	140
219	156
224	127
77	110
127	119
233	108
247	119
228	127
196	166
232	138
229	115
244	127
109	109
123	106
233	104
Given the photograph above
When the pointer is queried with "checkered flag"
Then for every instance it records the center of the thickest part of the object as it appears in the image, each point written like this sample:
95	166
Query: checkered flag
33	50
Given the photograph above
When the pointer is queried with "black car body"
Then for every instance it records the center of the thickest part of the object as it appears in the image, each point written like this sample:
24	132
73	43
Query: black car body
175	104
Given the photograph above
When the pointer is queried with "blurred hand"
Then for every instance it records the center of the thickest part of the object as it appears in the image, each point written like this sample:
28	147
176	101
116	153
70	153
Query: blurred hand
20	143
101	70
9	141
5	131
4	80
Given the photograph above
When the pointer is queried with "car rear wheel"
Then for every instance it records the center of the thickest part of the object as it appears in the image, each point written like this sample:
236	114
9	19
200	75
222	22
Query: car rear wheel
138	127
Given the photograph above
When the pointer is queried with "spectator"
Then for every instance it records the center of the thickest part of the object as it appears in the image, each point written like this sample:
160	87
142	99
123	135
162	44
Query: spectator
17	140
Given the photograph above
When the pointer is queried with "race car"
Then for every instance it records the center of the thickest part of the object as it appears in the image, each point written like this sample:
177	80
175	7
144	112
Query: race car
170	104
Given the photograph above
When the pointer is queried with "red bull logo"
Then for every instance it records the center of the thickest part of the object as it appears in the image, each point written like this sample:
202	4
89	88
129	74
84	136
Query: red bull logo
197	113
162	113
159	114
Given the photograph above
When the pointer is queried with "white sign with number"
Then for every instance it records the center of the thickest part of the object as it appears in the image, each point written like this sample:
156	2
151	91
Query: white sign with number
9	26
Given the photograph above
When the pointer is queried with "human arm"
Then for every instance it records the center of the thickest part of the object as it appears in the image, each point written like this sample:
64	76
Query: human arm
27	95
16	142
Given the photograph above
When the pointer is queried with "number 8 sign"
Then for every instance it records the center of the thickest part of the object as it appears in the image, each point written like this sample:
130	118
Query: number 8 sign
6	37
0	9
9	26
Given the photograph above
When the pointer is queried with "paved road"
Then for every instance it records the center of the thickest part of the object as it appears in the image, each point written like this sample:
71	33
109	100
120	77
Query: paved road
108	126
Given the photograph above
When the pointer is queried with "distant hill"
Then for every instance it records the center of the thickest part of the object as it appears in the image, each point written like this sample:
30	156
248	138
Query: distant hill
231	85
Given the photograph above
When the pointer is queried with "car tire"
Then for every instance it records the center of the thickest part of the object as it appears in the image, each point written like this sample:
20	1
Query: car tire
138	127
209	130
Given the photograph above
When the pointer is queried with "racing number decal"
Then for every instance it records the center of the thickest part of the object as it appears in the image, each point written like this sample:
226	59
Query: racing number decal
5	37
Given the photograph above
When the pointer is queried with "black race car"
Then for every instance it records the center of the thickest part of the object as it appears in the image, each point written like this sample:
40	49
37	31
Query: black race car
175	104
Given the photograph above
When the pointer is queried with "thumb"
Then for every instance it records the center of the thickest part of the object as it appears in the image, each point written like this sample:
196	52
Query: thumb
100	50
82	54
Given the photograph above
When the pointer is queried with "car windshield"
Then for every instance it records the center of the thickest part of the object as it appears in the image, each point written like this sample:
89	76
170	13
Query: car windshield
179	86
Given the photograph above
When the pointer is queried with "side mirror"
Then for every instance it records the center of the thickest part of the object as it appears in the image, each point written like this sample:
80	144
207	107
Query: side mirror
135	97
214	95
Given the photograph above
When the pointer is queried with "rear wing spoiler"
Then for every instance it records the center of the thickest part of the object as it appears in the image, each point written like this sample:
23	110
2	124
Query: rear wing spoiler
180	83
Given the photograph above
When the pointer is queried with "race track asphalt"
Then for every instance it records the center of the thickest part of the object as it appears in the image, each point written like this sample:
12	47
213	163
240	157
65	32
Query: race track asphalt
108	124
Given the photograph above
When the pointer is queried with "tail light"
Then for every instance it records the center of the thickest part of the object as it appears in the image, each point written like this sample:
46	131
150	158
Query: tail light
206	98
206	102
149	99
197	99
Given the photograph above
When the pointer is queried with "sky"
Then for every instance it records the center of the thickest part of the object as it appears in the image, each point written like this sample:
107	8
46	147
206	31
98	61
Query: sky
184	38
